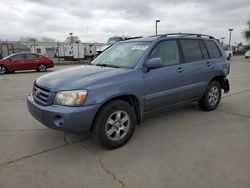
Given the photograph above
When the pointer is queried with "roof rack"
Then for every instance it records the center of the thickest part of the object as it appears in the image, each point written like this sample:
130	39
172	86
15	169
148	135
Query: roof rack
129	38
186	34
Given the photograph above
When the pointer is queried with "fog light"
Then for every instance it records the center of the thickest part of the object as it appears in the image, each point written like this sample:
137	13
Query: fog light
58	121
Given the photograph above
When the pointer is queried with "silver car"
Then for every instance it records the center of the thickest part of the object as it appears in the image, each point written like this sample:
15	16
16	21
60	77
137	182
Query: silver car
247	54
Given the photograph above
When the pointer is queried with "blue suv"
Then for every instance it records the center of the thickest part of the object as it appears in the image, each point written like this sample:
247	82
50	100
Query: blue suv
128	81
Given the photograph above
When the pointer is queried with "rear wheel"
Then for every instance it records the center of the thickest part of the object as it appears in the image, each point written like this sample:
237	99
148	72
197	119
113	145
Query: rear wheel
114	125
3	70
41	68
212	97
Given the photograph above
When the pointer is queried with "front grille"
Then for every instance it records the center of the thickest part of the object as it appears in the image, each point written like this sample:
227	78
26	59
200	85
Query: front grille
41	95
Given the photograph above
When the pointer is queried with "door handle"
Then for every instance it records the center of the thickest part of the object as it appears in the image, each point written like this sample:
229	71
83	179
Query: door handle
209	64
180	69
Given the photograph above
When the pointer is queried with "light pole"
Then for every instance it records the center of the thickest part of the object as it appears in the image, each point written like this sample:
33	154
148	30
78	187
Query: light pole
156	22
230	35
222	41
71	37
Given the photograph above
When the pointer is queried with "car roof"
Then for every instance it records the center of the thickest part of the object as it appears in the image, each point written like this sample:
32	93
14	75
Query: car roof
20	53
25	53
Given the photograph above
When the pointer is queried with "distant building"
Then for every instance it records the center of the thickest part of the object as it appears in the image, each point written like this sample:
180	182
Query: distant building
8	48
51	49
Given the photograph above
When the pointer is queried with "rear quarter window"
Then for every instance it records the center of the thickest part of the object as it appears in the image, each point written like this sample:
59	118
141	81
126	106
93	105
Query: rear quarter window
212	49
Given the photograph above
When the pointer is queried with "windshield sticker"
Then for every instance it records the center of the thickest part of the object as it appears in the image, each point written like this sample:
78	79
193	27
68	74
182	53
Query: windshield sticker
139	47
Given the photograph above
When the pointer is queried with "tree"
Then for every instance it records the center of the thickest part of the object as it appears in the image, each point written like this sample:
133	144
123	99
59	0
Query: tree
47	39
246	32
28	39
75	39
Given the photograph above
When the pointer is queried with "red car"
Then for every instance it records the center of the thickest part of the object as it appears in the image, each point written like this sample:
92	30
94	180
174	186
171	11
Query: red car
25	61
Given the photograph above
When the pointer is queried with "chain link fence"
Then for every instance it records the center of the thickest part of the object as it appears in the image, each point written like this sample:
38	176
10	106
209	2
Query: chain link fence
60	50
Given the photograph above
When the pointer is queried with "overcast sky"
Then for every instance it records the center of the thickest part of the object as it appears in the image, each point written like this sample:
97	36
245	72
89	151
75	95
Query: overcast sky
100	19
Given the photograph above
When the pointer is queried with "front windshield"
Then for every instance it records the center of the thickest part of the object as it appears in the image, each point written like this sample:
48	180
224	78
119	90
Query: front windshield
122	55
7	57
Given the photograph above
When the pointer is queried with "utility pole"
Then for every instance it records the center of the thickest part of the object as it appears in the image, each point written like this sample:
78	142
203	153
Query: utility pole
230	36
71	37
156	22
222	41
34	43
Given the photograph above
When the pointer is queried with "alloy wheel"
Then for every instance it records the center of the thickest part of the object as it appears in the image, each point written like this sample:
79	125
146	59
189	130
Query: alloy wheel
213	95
2	70
117	125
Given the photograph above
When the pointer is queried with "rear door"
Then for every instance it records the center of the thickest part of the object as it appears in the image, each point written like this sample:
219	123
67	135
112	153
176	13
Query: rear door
32	61
164	86
197	68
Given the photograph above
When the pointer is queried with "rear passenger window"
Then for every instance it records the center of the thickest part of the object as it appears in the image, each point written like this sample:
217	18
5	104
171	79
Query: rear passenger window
213	49
203	50
31	56
168	52
191	50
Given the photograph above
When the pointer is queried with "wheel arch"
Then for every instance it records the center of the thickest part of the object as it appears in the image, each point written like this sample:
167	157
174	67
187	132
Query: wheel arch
130	99
222	81
218	78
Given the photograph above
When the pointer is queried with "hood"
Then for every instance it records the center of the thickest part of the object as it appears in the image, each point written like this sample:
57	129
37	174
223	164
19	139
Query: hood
76	77
3	60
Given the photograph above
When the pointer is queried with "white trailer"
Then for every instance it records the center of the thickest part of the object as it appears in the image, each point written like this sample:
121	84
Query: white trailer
65	51
78	51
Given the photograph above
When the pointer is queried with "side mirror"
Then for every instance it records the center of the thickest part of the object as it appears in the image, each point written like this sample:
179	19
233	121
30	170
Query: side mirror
153	63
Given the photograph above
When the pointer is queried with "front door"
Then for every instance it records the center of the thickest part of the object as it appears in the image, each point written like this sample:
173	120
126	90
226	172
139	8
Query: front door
164	86
17	62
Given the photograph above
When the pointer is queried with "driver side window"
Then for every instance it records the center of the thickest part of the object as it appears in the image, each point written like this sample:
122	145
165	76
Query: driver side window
168	52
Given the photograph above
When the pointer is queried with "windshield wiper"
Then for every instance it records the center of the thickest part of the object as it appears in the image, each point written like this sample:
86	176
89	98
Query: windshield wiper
107	65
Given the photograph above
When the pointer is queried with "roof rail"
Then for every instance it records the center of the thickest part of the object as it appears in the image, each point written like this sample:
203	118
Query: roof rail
129	38
186	34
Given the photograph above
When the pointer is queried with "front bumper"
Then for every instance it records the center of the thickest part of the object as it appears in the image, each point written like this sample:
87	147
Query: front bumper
69	119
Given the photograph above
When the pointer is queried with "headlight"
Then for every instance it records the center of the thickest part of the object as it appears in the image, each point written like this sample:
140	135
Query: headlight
71	98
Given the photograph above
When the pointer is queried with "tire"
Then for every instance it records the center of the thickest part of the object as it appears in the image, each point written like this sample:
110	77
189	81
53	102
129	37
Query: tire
114	124
212	97
41	67
3	70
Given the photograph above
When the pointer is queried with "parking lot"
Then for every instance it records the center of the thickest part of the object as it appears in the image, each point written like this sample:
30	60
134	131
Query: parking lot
185	147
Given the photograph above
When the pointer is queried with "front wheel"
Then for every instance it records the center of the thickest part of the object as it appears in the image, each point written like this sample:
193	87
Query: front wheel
114	125
212	97
41	68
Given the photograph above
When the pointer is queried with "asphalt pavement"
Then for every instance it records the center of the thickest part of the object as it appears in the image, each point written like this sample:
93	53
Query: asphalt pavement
186	147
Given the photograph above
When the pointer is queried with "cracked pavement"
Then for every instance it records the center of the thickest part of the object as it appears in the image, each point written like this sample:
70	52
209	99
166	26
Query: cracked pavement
182	148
